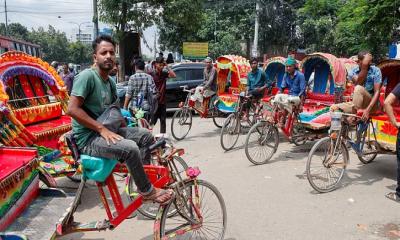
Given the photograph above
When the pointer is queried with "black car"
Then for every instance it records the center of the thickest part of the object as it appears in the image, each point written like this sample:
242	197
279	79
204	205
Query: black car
190	74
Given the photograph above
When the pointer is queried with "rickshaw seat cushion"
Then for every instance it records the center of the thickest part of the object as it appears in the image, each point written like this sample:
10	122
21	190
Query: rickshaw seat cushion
320	97
96	168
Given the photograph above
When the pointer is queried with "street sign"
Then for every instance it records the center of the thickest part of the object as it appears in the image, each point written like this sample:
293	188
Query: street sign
195	50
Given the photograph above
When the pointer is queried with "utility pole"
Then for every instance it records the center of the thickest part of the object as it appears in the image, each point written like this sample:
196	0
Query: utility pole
95	20
5	10
254	52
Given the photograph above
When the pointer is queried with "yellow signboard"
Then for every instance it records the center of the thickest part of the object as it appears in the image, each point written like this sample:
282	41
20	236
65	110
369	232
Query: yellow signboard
195	49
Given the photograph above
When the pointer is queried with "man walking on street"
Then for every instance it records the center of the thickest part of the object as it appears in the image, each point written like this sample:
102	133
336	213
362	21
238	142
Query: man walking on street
160	75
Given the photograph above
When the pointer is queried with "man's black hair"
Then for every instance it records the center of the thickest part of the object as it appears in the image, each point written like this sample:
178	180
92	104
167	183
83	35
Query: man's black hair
101	38
253	60
361	54
140	64
159	60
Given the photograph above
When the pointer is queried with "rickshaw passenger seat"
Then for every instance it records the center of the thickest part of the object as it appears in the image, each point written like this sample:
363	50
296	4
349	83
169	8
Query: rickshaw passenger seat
96	168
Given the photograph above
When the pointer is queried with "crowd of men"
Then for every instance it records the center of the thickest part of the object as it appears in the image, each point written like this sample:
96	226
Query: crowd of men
93	91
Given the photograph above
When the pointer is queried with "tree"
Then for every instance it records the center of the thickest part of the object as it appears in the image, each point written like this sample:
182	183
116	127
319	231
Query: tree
179	22
54	43
79	53
317	20
370	25
15	30
128	15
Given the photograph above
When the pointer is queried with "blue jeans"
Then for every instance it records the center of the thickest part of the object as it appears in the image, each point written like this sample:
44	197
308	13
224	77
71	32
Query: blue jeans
132	150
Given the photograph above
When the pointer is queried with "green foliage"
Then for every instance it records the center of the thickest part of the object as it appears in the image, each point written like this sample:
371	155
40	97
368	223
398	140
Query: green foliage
180	21
54	43
16	30
79	53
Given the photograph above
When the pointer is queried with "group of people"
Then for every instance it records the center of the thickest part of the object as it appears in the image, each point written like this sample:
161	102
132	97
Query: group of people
367	79
93	91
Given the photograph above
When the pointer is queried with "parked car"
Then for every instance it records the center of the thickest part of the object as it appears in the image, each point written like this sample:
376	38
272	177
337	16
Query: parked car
190	74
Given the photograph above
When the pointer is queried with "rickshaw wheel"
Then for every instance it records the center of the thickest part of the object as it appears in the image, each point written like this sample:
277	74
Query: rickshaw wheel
230	132
370	146
299	135
181	123
261	142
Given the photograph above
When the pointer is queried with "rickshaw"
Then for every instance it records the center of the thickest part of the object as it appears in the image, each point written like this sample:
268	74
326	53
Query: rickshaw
308	121
386	134
231	78
33	102
274	69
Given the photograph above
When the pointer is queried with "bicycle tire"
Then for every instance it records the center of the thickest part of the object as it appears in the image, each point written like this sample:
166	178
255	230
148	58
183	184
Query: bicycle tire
194	187
263	131
150	210
312	158
368	158
230	129
185	118
217	117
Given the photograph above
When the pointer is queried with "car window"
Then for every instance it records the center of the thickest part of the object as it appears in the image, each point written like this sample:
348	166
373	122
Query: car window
196	74
180	76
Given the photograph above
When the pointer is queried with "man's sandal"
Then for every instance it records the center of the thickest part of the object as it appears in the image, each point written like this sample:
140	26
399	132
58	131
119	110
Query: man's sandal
393	196
159	196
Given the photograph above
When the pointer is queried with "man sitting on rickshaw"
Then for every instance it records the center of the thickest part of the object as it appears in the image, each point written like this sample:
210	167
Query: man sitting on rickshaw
209	86
295	82
368	81
256	83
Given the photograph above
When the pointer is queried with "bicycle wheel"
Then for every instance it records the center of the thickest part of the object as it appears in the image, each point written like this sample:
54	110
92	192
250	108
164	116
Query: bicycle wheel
218	117
181	123
325	165
230	132
369	150
201	214
261	143
150	209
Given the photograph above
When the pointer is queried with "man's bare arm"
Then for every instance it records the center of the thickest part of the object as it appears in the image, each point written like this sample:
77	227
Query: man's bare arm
76	111
389	101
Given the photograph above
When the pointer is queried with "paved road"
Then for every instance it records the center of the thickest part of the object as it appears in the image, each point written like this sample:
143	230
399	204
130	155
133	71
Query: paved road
275	201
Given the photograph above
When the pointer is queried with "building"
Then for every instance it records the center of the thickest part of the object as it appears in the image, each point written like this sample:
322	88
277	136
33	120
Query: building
85	38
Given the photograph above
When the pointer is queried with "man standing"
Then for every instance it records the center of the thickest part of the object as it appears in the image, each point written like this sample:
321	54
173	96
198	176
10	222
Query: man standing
293	80
67	77
368	81
390	100
143	84
92	93
160	75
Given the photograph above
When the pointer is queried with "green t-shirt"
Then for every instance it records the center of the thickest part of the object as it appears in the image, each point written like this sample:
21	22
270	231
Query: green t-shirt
98	95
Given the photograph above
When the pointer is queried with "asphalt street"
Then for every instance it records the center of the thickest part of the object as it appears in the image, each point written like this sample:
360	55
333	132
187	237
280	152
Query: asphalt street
275	200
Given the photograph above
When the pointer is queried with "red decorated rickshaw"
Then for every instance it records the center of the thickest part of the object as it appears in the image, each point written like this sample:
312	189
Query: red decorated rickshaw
232	78
33	100
386	133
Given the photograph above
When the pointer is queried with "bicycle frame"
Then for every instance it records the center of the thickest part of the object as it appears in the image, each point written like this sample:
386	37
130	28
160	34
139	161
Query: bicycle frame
158	175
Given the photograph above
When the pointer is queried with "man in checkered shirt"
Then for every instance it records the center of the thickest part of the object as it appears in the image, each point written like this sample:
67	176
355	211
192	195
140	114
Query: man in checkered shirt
140	82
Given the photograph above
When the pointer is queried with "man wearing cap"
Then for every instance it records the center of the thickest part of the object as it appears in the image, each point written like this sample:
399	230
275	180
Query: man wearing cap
209	85
295	82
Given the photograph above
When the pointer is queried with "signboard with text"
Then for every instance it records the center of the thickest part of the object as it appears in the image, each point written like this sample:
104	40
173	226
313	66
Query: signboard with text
195	50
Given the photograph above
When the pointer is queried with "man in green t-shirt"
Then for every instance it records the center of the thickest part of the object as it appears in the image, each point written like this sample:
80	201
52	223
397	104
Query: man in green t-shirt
93	91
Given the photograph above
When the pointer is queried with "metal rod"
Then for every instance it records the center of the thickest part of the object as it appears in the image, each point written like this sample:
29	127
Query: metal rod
5	10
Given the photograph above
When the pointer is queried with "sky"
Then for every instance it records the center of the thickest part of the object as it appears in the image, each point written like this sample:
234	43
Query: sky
64	15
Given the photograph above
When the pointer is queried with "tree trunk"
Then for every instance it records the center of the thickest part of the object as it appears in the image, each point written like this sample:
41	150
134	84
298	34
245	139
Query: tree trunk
121	44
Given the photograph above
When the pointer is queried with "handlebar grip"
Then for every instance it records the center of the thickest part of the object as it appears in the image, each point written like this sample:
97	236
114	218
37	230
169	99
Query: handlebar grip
160	143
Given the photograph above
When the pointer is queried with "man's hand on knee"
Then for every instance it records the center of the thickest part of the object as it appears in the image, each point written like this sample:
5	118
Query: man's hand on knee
110	136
